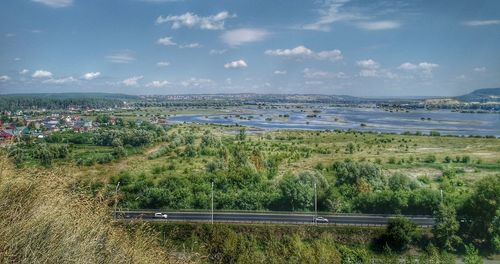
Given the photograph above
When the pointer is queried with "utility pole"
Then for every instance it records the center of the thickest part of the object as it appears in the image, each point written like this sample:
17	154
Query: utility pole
315	203
212	203
116	196
441	192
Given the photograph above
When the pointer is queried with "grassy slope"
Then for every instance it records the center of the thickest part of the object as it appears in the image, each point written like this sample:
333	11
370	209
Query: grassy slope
226	243
41	221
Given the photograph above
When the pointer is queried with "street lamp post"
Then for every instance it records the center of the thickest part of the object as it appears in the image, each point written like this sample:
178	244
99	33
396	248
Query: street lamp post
315	203
212	203
116	196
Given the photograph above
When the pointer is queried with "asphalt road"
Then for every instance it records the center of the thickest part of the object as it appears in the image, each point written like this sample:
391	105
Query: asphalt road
284	218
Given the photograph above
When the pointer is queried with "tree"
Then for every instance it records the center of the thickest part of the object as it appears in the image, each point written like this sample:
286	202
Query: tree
101	119
257	159
349	172
242	135
119	151
496	232
399	233
44	155
401	182
271	164
446	228
351	147
480	211
296	195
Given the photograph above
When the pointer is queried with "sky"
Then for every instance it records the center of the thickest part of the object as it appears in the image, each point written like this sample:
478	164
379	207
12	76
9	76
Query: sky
344	47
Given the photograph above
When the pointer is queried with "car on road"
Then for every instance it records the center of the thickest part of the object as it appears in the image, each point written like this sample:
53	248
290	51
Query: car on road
161	215
320	219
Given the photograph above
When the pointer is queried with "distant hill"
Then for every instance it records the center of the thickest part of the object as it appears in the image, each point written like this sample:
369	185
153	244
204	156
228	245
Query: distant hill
63	100
481	95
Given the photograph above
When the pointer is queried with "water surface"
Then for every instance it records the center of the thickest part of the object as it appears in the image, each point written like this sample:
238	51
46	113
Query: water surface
362	119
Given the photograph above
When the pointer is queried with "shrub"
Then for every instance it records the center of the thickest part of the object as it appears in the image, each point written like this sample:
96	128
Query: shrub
399	233
430	159
106	158
349	172
472	255
434	134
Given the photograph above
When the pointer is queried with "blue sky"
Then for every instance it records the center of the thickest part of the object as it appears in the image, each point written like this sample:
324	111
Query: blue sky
361	48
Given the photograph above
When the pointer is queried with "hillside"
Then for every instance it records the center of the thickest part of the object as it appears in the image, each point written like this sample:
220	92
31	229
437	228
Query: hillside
43	221
481	95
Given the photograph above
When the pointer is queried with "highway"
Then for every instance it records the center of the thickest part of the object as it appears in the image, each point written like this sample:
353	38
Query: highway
277	218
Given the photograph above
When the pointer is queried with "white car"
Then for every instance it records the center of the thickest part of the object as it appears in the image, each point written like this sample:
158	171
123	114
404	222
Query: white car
161	215
320	219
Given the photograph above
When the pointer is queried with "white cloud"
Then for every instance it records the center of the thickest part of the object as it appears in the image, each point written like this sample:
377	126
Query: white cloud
238	64
425	68
298	52
480	69
17	59
190	20
331	12
408	66
278	72
132	81
317	74
163	64
158	84
10	35
334	11
477	23
314	82
166	41
371	68
332	55
42	74
4	78
69	79
241	36
217	52
301	52
311	74
91	75
55	3
190	46
379	25
368	64
24	71
196	82
125	56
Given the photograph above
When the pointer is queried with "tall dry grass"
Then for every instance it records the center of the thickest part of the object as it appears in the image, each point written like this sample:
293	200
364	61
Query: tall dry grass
41	221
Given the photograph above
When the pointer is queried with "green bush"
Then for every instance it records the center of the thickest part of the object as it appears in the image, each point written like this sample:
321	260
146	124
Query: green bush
430	159
399	233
